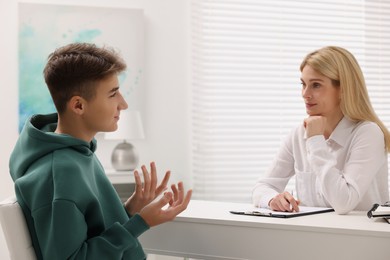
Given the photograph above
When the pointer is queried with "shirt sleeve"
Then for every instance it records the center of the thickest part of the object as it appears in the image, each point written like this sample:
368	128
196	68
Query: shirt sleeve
344	188
277	176
62	230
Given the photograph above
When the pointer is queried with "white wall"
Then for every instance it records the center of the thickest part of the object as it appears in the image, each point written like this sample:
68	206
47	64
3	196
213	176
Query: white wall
166	81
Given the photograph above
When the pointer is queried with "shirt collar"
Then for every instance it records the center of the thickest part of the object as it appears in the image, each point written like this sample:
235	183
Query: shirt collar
342	131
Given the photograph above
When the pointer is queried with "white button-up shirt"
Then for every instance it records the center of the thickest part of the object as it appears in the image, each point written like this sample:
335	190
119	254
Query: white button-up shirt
346	172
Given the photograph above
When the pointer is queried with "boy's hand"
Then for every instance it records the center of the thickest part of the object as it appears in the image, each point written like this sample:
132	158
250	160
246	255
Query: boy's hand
154	214
146	193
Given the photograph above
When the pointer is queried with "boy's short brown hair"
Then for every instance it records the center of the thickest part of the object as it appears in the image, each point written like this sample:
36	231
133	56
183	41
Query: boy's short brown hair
75	68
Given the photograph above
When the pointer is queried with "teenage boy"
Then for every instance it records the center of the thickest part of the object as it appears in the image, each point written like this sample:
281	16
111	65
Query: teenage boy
71	208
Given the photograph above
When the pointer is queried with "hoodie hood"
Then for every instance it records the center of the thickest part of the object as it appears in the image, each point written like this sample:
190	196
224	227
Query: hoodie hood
38	139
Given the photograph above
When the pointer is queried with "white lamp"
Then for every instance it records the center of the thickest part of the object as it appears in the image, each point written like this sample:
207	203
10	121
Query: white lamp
124	156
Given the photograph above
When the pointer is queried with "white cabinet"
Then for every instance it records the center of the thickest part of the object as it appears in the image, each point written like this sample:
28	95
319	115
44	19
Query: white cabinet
123	182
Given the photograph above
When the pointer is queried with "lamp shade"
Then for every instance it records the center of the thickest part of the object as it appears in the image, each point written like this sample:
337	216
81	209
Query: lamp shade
129	127
125	156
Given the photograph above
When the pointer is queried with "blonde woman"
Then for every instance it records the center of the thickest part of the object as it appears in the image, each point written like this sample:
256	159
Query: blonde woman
338	155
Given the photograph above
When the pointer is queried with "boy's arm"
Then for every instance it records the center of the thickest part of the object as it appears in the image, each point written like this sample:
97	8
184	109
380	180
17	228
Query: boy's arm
63	234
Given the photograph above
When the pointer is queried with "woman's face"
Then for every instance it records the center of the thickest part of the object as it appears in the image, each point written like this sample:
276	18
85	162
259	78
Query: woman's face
320	96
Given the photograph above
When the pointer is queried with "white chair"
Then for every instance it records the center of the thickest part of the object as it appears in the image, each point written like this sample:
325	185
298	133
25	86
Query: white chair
15	230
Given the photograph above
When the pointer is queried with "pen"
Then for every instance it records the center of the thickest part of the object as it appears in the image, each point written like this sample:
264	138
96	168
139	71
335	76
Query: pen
292	194
252	213
257	213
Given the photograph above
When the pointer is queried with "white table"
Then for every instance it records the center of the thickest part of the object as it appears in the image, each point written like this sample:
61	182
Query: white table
206	230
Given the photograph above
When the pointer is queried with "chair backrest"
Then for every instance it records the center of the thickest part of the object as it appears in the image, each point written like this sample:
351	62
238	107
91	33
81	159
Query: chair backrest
15	230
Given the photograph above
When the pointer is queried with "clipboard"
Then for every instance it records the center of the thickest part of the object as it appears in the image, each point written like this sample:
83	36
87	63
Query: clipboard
261	212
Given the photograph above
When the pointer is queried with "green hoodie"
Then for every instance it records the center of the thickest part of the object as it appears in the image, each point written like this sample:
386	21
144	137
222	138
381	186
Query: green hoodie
71	208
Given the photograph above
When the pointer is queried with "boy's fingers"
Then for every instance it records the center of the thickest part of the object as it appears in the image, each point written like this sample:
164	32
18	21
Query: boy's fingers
180	196
153	176
174	190
175	210
146	179
138	182
164	200
163	185
183	205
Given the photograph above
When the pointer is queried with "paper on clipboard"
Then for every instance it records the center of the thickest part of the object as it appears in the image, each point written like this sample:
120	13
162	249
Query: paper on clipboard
262	212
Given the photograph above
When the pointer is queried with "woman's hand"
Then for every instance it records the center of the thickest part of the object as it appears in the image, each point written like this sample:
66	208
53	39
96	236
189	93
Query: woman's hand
284	202
315	125
146	193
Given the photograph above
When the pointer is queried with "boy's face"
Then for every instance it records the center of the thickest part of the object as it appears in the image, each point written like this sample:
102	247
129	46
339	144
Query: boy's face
102	111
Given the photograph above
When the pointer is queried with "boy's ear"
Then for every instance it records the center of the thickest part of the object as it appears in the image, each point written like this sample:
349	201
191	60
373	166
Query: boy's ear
76	104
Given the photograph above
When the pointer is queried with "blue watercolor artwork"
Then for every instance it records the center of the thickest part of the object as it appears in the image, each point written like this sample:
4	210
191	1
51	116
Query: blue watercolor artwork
45	27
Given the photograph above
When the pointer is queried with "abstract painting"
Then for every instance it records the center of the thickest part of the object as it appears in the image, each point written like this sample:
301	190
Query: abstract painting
45	27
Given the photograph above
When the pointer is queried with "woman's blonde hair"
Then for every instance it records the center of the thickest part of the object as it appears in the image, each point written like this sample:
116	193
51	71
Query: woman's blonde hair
342	68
